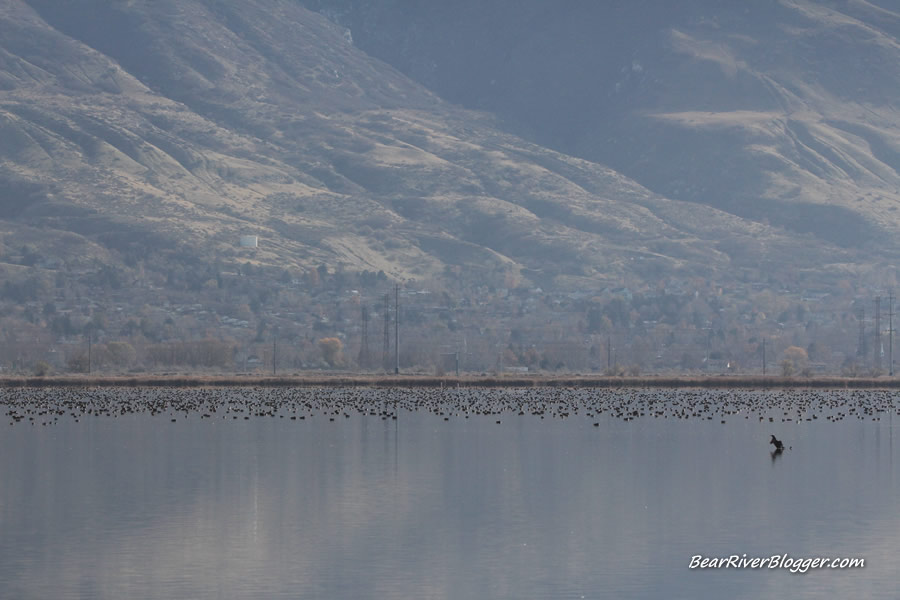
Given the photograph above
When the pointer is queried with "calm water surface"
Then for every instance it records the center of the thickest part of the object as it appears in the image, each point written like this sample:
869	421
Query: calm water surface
140	507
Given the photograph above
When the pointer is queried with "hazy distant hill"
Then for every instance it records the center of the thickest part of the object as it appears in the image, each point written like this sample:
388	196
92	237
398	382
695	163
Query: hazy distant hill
164	129
779	110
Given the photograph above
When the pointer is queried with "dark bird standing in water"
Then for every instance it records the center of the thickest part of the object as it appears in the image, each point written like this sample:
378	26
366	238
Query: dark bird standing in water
777	443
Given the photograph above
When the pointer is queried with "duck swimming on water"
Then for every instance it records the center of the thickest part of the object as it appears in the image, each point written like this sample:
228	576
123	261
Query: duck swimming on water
779	446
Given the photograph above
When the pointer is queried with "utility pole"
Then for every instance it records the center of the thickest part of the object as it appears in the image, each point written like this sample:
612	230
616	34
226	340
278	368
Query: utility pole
397	328
364	345
464	352
879	349
891	333
608	354
861	349
386	348
708	344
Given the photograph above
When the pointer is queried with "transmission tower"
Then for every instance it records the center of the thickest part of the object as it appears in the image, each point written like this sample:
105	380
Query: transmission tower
862	349
397	328
386	348
878	349
364	345
891	333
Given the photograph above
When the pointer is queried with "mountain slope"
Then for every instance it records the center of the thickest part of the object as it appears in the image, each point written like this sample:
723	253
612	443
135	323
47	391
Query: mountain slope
779	111
158	131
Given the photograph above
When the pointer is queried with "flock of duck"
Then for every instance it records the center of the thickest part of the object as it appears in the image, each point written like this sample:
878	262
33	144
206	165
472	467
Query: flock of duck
47	406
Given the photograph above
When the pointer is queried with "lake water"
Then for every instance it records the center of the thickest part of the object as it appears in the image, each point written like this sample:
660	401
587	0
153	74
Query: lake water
552	503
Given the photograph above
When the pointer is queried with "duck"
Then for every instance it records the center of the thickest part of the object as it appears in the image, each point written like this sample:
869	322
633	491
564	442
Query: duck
779	446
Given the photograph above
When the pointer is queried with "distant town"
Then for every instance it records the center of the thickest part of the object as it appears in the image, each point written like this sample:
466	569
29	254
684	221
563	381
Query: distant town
263	320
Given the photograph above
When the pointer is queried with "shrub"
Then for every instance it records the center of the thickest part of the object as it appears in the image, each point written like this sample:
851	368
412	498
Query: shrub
332	351
41	368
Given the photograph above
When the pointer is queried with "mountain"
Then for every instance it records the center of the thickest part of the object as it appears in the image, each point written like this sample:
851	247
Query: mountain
148	133
782	111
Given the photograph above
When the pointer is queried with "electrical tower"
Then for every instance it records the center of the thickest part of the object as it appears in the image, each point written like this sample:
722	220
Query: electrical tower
364	344
386	349
891	333
862	349
879	350
397	328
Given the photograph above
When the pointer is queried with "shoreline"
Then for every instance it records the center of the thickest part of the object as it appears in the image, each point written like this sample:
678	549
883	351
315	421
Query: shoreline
429	381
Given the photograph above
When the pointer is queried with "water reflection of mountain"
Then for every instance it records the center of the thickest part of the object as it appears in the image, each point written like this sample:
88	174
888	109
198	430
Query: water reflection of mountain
420	507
